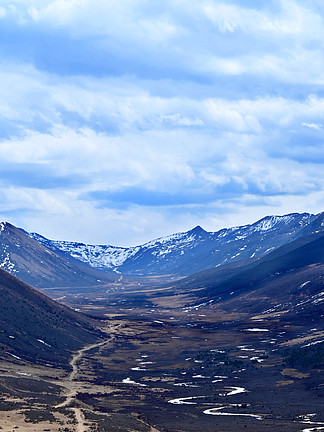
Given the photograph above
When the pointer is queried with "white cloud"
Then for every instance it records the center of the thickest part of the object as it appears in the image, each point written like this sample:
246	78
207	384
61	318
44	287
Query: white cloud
211	101
292	19
120	105
312	126
32	200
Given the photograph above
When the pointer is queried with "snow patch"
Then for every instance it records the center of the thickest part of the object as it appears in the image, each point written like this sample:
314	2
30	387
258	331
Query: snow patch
44	343
129	381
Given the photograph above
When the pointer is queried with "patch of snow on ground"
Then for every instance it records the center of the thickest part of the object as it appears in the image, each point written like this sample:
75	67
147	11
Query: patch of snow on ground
184	401
304	284
316	429
200	376
12	355
256	359
313	343
129	381
44	343
189	384
236	390
218	412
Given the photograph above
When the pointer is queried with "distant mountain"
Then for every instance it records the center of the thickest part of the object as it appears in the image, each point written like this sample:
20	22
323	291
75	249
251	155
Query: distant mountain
193	251
288	280
39	266
35	328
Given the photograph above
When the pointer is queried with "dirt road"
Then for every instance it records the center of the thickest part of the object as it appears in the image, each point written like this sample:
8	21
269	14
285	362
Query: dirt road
72	385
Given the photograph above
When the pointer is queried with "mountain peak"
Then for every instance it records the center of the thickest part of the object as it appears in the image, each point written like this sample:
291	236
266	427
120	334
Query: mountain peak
7	225
197	230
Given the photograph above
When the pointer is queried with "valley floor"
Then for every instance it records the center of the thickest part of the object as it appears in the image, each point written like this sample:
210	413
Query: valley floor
167	373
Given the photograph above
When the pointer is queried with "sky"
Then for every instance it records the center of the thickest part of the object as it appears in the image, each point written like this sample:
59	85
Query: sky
125	120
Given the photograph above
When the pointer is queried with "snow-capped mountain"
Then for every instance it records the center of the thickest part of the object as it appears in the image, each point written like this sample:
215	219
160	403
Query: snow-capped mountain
99	256
192	251
287	281
39	266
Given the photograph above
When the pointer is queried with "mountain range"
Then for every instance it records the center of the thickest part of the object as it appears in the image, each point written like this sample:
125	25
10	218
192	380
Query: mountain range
288	280
243	304
41	262
192	251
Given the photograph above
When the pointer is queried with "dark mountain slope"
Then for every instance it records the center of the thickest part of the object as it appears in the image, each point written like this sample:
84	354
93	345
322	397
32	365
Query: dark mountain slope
35	328
287	259
289	279
240	275
38	266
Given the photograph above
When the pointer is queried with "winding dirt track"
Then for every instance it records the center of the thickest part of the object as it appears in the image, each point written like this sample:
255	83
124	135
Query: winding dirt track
70	383
80	419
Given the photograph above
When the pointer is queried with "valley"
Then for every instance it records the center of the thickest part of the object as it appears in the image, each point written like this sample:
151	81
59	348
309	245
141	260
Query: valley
173	372
162	216
234	347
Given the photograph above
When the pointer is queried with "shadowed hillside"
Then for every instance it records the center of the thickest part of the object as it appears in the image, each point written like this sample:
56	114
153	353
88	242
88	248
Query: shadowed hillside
36	328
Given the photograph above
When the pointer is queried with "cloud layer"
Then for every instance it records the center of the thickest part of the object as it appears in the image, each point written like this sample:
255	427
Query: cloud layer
124	121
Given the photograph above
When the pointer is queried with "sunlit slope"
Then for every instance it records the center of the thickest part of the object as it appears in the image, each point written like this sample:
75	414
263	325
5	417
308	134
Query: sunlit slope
39	266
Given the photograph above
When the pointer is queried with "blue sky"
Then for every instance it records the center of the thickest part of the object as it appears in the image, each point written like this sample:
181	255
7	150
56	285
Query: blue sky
125	120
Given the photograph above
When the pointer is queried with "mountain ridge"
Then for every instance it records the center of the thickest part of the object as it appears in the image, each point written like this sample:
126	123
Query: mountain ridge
188	252
35	264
